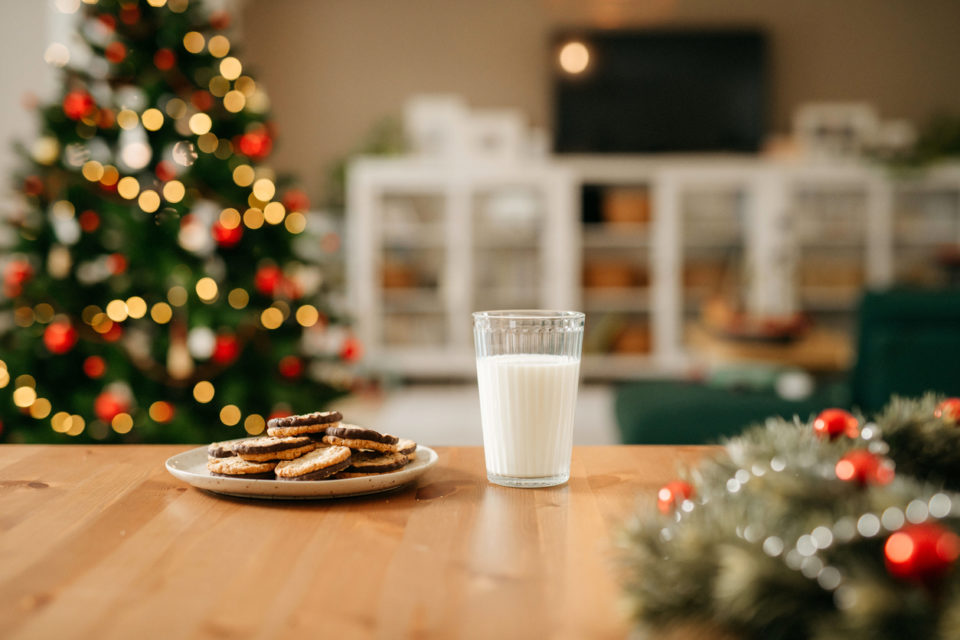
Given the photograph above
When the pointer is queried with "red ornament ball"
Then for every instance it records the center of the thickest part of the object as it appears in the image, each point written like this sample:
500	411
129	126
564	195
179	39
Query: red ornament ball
164	171
864	467
117	263
351	350
672	494
114	333
268	279
108	406
296	200
279	412
225	237
164	59
17	274
108	21
94	367
129	13
89	221
256	144
226	348
922	552
78	104
219	19
948	410
115	52
59	337
832	423
290	367
202	100
32	185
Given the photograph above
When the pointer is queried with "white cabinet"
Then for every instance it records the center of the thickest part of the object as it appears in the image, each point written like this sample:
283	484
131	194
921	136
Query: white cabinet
635	242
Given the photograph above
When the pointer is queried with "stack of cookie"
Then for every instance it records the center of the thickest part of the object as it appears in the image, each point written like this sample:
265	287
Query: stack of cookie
314	446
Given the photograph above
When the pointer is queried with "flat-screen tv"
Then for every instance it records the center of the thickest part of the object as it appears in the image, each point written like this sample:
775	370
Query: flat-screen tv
659	91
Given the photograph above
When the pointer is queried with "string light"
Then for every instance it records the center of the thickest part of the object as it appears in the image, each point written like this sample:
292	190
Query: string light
271	318
193	42
203	391
23	397
307	315
92	170
253	218
61	421
110	176
264	189
161	411
245	85
152	119
230	218
200	123
45	150
177	296
40	409
149	201
136	307
273	213
122	423
207	289
176	108
161	313
25	380
207	142
174	191
128	188
127	119
243	175
219	86
230	68
234	101
295	222
218	46
63	209
254	424
238	298
89	312
117	310
44	312
77	424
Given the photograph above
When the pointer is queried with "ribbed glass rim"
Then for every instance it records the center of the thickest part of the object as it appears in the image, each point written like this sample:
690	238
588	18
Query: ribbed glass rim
529	314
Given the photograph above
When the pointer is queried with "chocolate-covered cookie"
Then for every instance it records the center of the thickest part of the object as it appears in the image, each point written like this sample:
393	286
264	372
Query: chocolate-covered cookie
306	424
220	450
407	447
383	463
319	464
237	467
270	448
355	437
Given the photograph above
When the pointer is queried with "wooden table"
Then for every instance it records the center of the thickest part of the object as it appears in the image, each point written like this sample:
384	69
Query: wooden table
101	542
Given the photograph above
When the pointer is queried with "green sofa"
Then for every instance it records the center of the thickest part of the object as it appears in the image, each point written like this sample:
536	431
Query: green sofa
908	343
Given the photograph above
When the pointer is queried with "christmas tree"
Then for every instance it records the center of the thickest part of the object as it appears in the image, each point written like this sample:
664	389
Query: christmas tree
839	528
162	282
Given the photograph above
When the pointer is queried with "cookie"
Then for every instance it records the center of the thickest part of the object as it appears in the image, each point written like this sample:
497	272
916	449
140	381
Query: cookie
220	450
407	447
319	464
383	463
236	467
269	448
355	437
306	424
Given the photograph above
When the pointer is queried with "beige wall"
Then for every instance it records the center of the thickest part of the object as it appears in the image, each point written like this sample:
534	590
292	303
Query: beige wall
334	67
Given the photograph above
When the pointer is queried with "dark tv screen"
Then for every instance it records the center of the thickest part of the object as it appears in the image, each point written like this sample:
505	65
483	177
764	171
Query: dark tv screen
662	91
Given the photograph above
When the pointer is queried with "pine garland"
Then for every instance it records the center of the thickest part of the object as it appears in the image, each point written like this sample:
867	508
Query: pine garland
772	544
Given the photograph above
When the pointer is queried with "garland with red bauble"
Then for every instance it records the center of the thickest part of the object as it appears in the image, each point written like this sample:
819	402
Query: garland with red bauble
822	530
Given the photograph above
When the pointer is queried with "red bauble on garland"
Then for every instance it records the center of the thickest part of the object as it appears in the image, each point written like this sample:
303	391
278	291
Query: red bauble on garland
32	185
78	104
268	279
219	19
290	367
94	367
117	263
59	337
89	221
832	423
129	13
672	494
201	99
922	552
226	348
864	467
164	59
164	171
225	237
255	144
948	410
109	405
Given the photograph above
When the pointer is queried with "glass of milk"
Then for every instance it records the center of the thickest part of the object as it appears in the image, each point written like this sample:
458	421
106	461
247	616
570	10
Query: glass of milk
528	370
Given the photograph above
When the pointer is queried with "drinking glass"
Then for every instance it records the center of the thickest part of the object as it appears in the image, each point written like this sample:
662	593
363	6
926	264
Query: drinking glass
528	370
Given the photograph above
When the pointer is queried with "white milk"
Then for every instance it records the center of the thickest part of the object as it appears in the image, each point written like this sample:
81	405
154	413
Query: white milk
527	404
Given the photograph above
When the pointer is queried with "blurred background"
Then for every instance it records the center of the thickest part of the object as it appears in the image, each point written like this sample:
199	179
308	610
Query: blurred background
757	204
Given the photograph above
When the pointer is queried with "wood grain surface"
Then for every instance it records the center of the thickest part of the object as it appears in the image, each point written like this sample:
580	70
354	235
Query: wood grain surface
101	542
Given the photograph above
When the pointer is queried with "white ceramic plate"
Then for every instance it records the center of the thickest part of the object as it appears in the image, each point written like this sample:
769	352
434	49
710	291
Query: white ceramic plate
191	467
